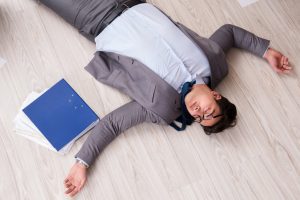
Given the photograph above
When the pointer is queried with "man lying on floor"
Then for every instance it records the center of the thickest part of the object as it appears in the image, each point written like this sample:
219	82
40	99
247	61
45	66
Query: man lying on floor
167	69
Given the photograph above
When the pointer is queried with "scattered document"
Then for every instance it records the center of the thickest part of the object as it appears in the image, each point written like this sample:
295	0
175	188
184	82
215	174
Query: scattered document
25	128
245	3
55	118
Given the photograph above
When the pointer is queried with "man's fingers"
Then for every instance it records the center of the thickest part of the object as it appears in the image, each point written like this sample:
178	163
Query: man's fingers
283	70
70	189
284	65
281	60
284	60
66	180
77	188
70	180
287	67
74	192
67	185
277	69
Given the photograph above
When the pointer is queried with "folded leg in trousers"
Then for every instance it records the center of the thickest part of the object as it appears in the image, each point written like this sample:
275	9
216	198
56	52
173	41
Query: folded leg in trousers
84	15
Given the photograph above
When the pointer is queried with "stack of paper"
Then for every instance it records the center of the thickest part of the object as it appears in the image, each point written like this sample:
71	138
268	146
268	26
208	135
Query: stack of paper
55	118
25	128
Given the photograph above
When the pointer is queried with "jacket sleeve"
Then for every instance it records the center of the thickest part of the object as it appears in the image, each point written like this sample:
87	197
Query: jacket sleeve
228	36
113	125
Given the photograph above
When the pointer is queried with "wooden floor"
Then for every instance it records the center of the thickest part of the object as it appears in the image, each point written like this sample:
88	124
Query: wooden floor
257	159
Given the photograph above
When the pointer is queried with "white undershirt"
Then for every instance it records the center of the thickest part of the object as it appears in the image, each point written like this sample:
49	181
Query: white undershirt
144	33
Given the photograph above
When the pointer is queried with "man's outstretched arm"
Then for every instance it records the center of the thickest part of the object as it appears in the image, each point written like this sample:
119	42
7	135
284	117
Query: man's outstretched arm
102	134
228	36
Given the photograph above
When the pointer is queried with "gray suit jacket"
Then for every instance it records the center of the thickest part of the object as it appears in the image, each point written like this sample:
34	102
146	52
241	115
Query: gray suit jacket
154	100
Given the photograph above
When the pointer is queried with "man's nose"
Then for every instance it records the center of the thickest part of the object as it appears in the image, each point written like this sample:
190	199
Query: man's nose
197	108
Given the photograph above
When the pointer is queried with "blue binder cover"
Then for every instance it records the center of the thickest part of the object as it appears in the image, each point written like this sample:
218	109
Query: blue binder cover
60	114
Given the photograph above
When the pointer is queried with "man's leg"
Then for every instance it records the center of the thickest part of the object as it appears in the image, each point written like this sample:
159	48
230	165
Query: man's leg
67	9
84	15
228	36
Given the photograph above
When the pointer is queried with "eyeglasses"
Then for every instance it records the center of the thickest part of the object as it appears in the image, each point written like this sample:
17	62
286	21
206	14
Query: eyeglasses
199	119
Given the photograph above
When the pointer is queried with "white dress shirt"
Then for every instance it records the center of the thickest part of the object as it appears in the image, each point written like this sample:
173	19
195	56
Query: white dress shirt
144	33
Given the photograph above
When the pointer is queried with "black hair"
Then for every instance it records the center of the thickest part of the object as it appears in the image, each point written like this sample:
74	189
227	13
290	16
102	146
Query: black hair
228	119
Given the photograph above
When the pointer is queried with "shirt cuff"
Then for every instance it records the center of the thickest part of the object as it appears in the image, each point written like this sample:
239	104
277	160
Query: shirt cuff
266	50
82	161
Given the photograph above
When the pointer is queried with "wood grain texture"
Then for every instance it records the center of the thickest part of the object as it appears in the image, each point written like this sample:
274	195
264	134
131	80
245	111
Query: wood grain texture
257	159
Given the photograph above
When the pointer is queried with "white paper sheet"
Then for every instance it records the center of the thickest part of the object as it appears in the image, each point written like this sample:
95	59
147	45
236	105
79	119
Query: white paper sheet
245	3
25	128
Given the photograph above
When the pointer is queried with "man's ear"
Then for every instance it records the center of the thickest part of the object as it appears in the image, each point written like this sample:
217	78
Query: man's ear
217	96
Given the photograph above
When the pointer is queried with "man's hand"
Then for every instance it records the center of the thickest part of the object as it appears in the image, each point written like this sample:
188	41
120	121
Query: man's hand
76	179
278	62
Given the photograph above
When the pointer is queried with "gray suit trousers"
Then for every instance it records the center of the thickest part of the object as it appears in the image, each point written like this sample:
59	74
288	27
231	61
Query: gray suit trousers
84	15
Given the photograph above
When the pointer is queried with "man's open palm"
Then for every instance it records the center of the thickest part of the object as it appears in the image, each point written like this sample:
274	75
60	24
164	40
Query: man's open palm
75	179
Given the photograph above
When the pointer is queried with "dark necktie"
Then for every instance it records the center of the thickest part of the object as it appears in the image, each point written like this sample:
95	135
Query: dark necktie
185	118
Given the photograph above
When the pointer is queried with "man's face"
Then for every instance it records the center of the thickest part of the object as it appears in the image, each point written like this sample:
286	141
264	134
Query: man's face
201	101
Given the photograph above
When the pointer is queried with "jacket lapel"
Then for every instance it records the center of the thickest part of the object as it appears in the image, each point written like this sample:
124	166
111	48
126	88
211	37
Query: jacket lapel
137	81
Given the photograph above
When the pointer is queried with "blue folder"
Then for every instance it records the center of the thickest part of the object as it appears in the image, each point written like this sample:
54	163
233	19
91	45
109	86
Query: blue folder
61	114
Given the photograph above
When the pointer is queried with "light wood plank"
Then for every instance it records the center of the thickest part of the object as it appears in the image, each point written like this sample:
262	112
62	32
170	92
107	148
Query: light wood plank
257	159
